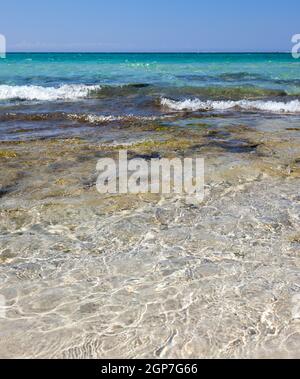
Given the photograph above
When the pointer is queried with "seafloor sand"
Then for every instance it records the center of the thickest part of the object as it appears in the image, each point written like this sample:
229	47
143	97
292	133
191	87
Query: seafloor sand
91	276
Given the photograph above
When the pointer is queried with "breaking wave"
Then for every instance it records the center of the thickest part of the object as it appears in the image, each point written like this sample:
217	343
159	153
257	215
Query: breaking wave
248	105
81	91
64	92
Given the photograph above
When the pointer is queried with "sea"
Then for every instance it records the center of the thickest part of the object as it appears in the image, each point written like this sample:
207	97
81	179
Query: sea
60	94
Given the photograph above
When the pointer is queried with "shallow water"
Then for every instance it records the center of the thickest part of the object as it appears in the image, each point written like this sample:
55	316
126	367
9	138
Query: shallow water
91	276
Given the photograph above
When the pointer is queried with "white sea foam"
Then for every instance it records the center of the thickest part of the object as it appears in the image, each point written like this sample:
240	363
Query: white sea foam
65	92
94	119
257	105
99	119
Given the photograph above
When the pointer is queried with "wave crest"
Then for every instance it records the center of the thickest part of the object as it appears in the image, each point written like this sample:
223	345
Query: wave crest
248	105
64	92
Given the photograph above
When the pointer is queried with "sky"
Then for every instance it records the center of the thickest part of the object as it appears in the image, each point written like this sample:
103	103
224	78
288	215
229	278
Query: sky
149	25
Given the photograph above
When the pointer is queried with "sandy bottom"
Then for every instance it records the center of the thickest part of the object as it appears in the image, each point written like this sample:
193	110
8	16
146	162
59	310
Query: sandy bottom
85	275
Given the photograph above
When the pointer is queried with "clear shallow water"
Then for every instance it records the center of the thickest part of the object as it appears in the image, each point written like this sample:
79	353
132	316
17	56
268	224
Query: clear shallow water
91	276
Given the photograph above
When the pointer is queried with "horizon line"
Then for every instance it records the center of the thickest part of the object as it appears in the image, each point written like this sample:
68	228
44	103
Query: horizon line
149	52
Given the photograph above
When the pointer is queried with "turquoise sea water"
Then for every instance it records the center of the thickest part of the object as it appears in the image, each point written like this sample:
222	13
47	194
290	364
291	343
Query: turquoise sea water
264	70
109	87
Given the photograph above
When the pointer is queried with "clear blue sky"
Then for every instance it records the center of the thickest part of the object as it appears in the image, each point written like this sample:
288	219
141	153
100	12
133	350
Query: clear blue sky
149	25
